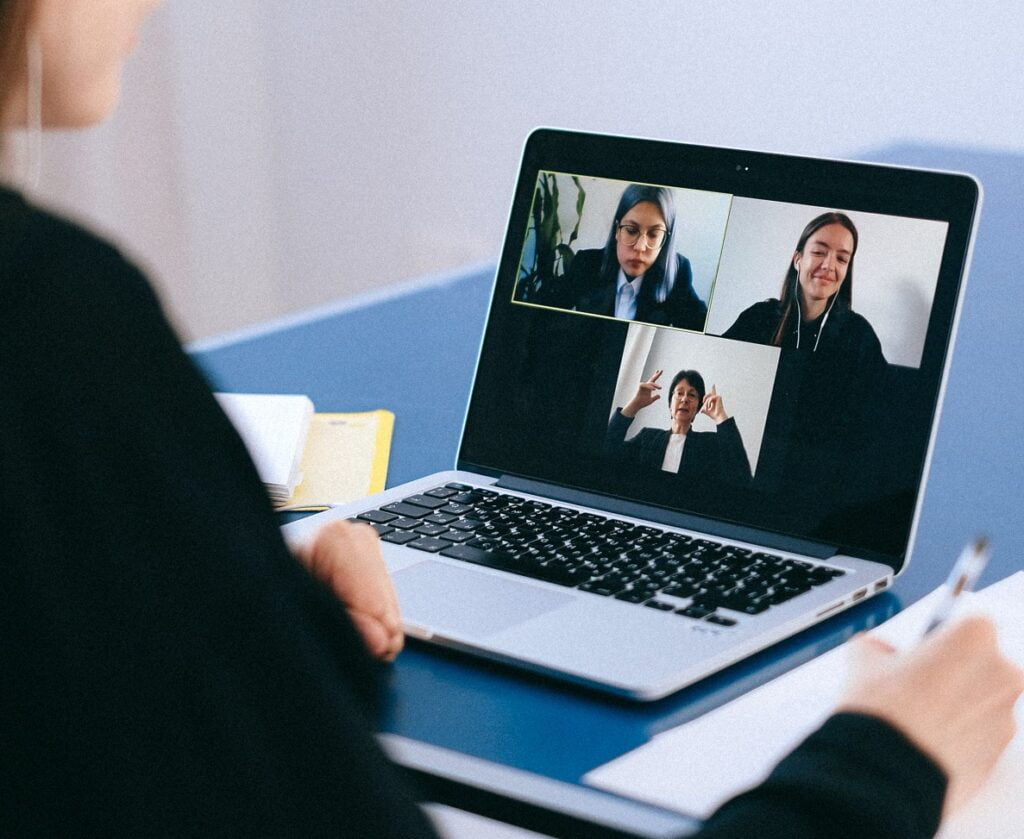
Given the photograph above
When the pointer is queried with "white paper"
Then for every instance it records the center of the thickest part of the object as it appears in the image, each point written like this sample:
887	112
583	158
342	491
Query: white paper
701	764
274	429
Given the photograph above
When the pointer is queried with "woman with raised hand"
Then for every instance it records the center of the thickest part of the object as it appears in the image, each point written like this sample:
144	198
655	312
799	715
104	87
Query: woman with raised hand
691	455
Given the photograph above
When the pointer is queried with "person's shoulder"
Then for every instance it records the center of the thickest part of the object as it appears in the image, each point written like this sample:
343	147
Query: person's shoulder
856	327
587	259
755	322
762	308
854	320
649	435
47	258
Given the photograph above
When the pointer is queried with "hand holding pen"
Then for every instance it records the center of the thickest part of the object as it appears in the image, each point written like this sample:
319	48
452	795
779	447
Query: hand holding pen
963	577
952	695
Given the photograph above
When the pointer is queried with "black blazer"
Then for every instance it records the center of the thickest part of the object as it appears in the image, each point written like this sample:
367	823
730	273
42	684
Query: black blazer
717	454
585	290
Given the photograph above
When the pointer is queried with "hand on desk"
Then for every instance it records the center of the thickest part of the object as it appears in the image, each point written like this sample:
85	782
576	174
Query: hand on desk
346	556
952	696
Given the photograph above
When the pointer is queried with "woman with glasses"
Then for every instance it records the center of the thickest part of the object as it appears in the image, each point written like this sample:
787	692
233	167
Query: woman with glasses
638	275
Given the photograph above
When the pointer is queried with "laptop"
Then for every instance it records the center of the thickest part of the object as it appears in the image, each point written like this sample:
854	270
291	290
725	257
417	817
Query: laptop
701	416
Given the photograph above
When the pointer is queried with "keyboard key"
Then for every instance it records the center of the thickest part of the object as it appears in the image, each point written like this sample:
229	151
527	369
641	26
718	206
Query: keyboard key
425	501
441	492
720	620
681	590
426	543
458	487
633	595
378	516
431	529
695	611
406	523
456	509
467	524
441	518
455	535
598	587
399	537
660	604
404	509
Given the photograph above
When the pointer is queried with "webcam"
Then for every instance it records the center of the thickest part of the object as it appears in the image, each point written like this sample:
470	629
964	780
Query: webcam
740	167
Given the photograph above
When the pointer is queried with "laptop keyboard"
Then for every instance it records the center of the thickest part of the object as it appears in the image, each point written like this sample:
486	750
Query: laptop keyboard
605	556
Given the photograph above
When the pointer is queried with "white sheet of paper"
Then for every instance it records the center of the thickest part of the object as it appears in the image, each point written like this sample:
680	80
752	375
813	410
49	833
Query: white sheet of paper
274	429
699	765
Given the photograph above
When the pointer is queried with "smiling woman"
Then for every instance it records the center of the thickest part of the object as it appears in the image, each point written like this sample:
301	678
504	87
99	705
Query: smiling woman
817	289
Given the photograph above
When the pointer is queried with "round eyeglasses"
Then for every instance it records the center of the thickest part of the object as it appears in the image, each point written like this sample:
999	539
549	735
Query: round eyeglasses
630	234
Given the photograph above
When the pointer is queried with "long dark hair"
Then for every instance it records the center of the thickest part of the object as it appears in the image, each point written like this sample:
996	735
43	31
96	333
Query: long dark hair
661	277
791	283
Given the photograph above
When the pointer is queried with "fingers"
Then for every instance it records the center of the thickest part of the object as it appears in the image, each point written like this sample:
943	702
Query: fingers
346	557
953	695
713	406
651	384
646	394
869	655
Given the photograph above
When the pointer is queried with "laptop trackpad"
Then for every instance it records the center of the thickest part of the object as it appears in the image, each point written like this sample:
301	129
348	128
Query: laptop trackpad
463	602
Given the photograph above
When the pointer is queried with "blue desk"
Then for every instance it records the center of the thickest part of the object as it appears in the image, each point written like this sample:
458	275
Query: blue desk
490	739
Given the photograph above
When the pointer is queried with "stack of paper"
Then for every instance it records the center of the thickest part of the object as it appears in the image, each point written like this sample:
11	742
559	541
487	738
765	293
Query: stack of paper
274	429
311	461
346	459
761	727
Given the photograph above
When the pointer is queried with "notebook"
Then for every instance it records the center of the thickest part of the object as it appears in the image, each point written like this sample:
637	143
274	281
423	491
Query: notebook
702	412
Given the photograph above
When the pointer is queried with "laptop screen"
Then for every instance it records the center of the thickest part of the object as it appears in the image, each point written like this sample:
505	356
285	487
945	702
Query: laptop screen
747	338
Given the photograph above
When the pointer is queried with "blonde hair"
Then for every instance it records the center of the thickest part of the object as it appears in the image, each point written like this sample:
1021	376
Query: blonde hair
15	19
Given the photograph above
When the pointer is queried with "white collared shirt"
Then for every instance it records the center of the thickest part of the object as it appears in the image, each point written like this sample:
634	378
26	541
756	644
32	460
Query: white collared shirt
626	292
673	453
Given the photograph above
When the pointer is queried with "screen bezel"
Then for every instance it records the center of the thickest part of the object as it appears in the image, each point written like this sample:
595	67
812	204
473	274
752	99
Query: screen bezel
948	197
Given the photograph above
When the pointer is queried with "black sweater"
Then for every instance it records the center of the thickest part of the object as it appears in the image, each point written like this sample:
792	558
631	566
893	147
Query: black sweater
167	667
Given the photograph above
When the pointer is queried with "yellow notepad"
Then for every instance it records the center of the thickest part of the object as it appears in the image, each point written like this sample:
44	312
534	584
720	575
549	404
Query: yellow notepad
345	458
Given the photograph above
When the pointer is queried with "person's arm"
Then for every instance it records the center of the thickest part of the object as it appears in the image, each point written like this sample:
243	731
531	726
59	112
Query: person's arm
855	777
733	465
346	557
914	737
646	394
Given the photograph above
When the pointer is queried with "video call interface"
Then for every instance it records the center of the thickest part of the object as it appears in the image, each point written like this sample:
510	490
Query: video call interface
721	355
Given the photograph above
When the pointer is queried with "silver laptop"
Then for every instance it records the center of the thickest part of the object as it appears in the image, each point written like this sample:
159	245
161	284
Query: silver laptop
702	412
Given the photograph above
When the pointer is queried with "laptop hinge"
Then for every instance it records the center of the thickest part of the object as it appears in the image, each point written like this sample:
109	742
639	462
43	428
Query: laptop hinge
724	530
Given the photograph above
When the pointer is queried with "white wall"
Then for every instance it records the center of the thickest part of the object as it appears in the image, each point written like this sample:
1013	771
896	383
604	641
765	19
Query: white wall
259	141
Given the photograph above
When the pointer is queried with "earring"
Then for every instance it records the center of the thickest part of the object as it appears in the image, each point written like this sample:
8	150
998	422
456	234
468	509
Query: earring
33	160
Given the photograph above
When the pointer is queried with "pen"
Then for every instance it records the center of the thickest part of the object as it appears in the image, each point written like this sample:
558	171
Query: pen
965	573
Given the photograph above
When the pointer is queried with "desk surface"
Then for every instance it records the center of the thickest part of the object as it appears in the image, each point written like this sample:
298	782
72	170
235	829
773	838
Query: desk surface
414	352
